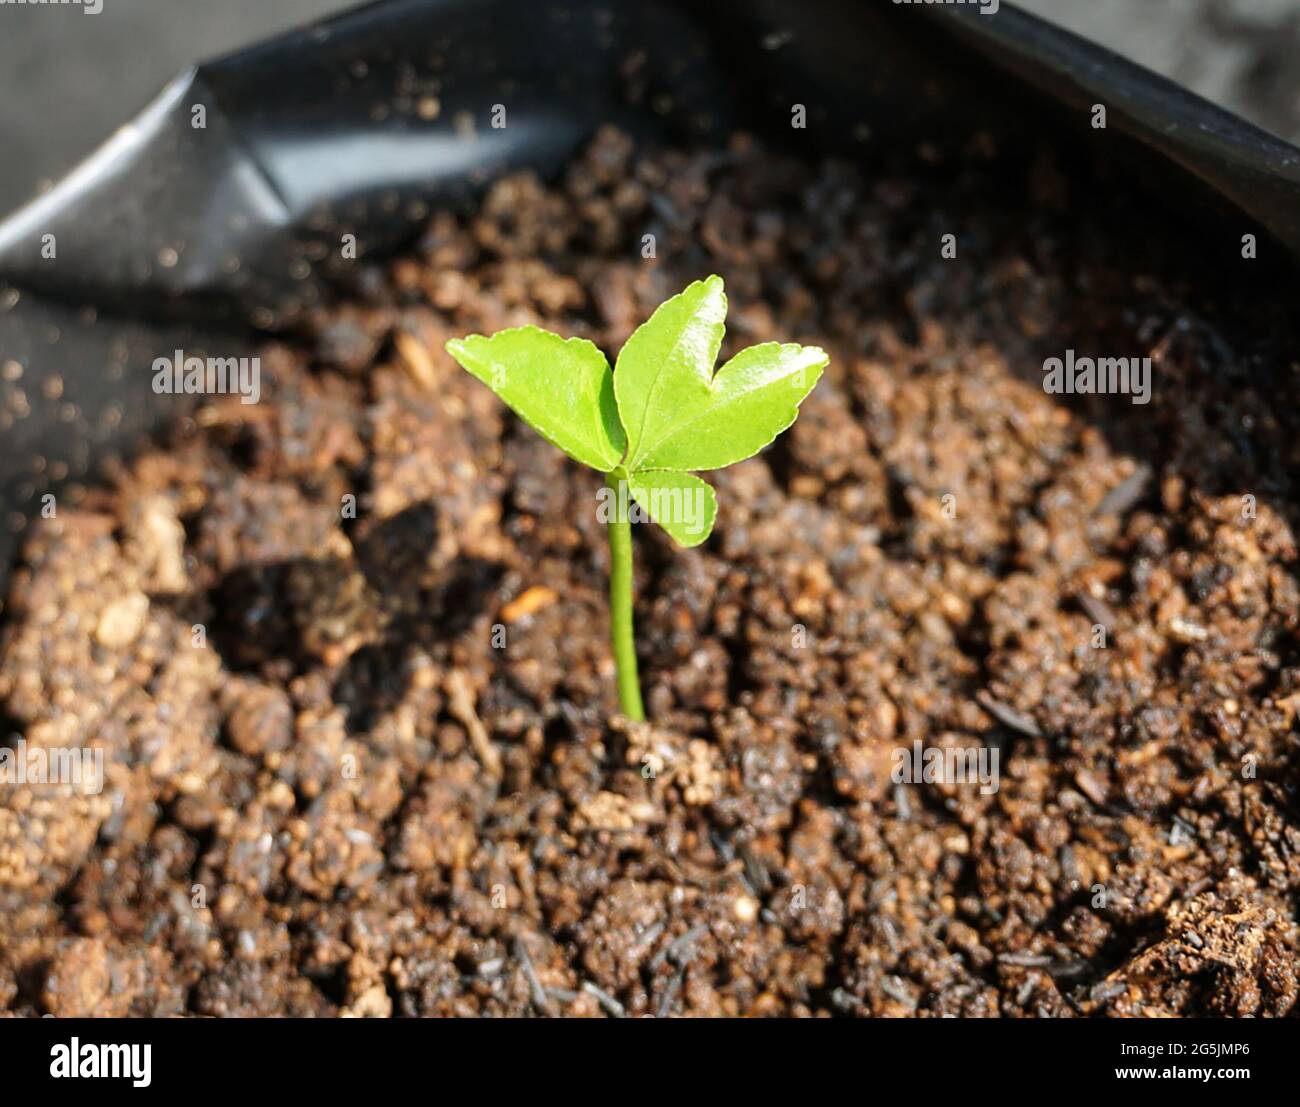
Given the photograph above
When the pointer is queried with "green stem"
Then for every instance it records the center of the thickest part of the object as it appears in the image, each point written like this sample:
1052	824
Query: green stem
620	605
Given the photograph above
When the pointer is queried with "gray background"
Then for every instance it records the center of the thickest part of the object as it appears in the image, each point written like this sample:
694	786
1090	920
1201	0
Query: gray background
68	78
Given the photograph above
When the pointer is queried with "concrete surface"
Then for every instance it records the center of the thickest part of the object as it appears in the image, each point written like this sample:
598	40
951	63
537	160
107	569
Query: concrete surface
69	78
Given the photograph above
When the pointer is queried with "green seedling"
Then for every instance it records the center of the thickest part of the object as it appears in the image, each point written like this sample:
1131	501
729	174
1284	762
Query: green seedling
648	425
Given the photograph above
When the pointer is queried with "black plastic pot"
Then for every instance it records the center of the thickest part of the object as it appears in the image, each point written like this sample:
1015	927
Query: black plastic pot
333	130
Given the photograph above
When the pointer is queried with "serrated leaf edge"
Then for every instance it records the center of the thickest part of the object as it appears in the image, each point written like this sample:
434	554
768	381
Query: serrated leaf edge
645	409
777	434
534	328
627	476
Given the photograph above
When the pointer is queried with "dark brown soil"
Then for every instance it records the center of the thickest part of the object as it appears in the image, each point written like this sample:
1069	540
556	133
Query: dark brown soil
346	800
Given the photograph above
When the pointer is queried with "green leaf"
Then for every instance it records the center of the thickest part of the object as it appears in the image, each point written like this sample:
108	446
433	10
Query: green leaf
561	388
683	505
668	359
753	398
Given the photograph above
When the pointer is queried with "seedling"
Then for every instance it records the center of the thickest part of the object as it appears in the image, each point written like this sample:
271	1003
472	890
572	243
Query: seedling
661	414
